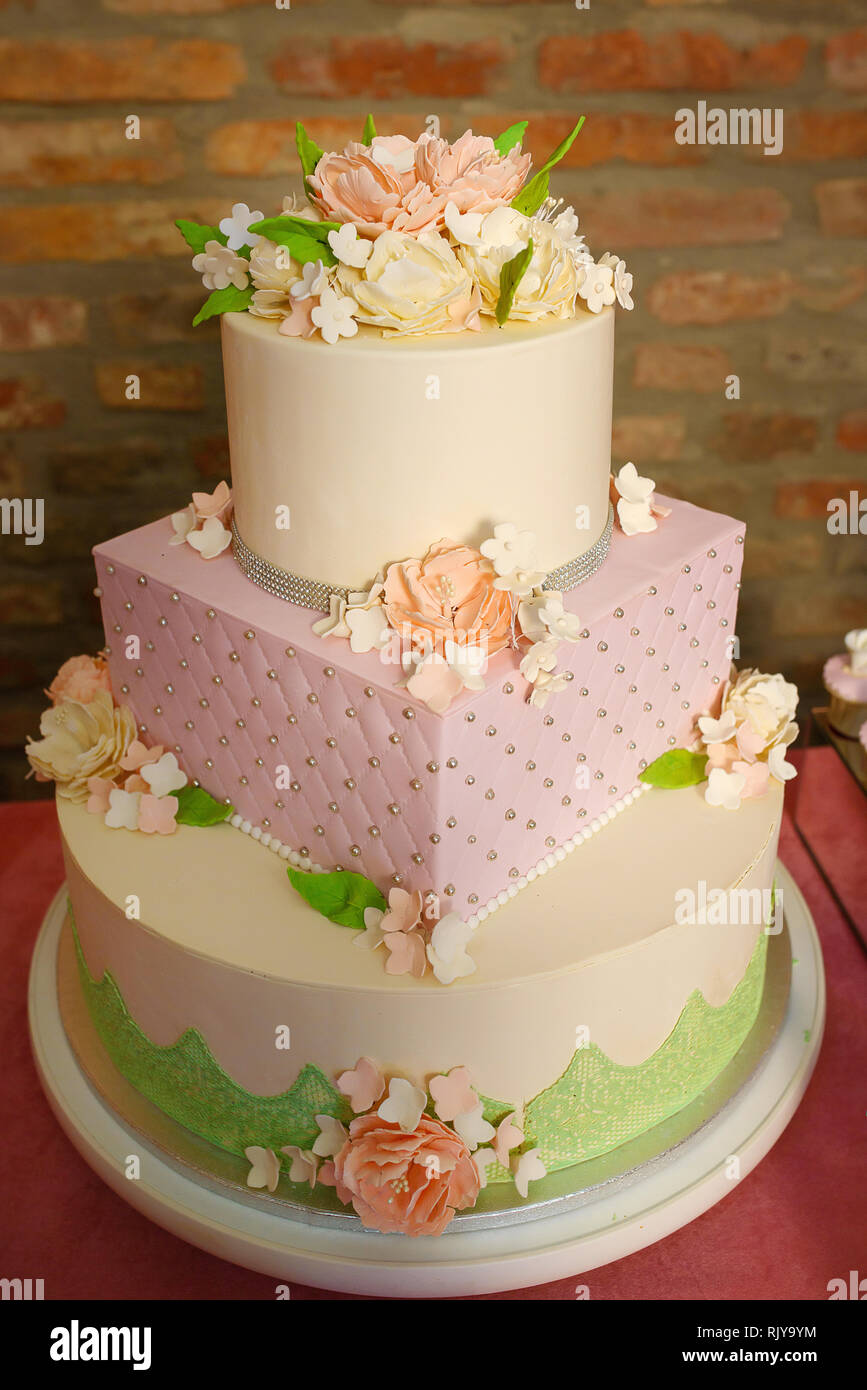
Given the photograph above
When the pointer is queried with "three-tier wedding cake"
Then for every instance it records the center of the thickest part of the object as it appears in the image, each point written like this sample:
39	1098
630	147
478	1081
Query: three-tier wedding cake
420	837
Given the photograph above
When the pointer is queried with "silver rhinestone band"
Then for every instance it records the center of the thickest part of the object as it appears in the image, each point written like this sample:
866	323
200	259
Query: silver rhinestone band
576	571
313	593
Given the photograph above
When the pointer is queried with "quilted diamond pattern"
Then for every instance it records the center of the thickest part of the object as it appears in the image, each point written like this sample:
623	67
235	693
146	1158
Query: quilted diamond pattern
318	746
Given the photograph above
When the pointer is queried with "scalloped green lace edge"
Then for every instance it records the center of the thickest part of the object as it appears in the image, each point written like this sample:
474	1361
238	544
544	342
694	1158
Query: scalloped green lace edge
594	1106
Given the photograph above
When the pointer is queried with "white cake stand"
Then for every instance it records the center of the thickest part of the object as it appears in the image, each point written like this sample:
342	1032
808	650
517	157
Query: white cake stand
615	1223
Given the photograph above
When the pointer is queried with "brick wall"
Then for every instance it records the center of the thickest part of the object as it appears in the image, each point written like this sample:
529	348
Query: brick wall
744	264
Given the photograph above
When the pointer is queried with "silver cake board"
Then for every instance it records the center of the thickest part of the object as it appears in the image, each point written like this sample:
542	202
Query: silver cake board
584	1217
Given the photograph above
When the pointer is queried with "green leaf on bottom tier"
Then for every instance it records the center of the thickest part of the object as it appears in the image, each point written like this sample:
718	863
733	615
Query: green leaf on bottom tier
511	276
369	133
341	897
676	768
510	138
228	301
198	807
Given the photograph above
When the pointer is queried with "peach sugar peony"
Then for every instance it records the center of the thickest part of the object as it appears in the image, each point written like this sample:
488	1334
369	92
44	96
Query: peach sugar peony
411	1183
448	595
401	185
79	679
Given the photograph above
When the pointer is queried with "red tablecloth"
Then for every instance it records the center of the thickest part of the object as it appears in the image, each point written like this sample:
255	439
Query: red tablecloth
793	1224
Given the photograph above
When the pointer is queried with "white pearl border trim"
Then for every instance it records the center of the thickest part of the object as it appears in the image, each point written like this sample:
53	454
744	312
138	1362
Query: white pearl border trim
549	861
556	856
299	861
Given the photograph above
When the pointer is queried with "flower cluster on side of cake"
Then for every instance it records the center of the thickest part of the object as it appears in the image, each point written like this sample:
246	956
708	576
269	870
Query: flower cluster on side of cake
740	748
411	1158
91	751
410	236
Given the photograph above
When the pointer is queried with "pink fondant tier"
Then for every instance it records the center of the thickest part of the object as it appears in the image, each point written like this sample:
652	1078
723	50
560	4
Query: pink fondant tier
318	745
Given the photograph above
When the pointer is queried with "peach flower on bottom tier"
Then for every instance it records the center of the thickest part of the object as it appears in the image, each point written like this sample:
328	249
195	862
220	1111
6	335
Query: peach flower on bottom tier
79	679
412	1183
448	595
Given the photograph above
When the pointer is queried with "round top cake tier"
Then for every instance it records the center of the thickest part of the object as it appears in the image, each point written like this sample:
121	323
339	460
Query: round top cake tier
347	458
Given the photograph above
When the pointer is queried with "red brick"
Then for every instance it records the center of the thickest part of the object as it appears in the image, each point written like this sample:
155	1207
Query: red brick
186	7
852	431
25	405
668	217
842	207
647	438
812	360
41	321
383	67
626	61
98	231
846	60
775	558
747	437
680	367
210	456
819	134
807	499
52	71
35	604
161	387
42	154
164	315
721	296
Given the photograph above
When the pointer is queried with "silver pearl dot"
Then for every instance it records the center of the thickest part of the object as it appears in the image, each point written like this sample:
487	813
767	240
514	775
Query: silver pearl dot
128	606
272	738
397	878
470	781
289	651
209	763
243	781
118	628
451	762
531	825
416	784
328	671
449	889
548	782
473	898
188	724
530	766
184	664
471	839
211	613
510	814
175	598
279	805
394	738
318	830
618	612
350	784
205	704
601	713
240	723
311	761
249	634
294	786
223	740
313	698
727	569
409	713
218	680
417	858
260	762
492	854
435	839
272	675
602	646
351	713
125	689
291	719
490	794
548	720
491	731
451	822
374	761
470	718
158	709
373	831
369	691
508	688
109	569
331	743
163	622
354	850
433	767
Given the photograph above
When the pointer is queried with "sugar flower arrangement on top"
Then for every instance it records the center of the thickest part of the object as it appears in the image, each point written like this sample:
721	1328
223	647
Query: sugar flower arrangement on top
408	236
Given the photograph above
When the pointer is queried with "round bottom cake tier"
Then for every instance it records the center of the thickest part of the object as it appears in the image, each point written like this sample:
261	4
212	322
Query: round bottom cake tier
608	995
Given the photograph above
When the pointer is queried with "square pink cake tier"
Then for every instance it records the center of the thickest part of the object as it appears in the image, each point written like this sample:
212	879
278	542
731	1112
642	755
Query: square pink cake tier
318	746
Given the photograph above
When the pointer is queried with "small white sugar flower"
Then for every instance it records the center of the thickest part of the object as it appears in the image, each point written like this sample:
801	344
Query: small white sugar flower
596	286
333	316
211	539
182	523
447	949
542	656
349	247
469	660
483	1158
314	279
122	813
635	506
778	766
510	549
334	625
302	1164
368	628
724	788
622	279
403	1105
164	777
373	935
219	267
264	1167
718	730
236	229
528	1168
473	1128
559	622
332	1136
546	684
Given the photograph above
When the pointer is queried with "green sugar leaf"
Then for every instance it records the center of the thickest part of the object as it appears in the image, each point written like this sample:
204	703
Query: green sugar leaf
196	234
308	151
304	240
227	301
534	193
341	897
369	134
510	138
198	807
676	768
510	278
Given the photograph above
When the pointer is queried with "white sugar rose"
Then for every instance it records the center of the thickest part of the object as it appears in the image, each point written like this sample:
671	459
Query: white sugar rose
272	271
549	284
408	284
80	741
766	703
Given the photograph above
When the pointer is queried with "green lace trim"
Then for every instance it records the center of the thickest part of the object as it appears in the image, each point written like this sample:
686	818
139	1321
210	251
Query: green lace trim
595	1105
